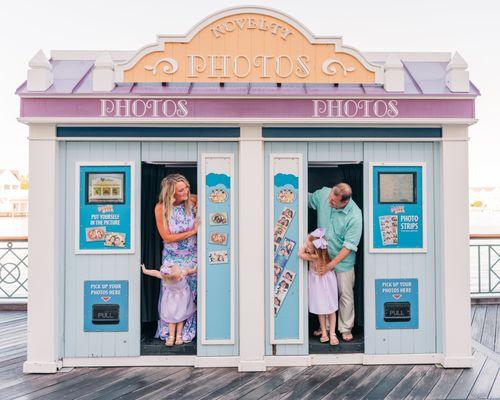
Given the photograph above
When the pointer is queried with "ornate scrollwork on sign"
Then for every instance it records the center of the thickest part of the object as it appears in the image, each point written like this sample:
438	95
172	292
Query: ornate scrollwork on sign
329	67
170	66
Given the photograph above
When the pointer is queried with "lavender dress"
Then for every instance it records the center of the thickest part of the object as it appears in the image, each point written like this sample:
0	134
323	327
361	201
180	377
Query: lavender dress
323	292
182	253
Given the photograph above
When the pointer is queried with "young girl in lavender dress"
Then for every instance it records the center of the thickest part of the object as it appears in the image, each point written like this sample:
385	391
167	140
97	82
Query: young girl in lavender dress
323	292
177	301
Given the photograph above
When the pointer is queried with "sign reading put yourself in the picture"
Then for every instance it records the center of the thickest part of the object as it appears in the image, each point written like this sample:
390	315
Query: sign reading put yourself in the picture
104	209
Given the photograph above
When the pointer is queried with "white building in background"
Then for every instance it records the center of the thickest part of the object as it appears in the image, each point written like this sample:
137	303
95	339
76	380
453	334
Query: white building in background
13	199
487	197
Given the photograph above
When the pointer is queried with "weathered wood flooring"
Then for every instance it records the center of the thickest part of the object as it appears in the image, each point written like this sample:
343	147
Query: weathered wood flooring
317	382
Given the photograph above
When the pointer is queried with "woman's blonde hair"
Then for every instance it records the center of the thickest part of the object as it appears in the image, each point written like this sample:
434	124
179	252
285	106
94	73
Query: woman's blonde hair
323	256
167	198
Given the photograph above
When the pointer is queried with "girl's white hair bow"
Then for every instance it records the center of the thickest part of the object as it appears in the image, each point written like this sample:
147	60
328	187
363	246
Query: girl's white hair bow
319	242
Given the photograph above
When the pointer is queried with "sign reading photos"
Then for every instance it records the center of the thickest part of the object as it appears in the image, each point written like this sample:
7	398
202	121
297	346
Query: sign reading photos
217	193
397	194
104	210
286	271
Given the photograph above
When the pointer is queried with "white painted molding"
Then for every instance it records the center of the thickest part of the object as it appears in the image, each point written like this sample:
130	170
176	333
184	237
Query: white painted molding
103	79
457	76
40	75
334	40
33	367
394	75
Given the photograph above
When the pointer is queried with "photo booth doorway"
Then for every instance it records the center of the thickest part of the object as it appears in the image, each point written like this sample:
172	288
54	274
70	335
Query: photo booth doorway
151	249
328	174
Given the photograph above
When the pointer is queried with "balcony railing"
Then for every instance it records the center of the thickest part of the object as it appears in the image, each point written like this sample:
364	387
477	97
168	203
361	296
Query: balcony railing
484	267
13	269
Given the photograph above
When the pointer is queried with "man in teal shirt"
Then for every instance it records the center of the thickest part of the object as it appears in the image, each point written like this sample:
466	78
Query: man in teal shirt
343	223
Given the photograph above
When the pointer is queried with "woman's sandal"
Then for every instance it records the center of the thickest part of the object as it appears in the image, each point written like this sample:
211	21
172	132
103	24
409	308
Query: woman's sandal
178	340
170	341
324	339
334	341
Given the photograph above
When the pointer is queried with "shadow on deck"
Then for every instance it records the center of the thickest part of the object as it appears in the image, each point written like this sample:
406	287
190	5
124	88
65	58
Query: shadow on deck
317	382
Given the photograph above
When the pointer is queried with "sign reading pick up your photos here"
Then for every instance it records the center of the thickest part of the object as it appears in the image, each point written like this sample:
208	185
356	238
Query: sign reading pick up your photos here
105	306
285	272
398	218
104	209
396	303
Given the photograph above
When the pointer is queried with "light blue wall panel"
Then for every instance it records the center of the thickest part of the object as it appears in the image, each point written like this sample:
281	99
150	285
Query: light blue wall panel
79	268
218	350
284	147
419	266
335	152
169	151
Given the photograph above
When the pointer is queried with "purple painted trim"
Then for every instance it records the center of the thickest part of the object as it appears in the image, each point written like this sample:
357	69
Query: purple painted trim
356	109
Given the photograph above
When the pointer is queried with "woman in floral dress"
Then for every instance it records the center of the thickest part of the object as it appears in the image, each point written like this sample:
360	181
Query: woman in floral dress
177	224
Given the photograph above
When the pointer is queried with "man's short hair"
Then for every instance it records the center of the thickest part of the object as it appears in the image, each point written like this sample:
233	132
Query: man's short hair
344	190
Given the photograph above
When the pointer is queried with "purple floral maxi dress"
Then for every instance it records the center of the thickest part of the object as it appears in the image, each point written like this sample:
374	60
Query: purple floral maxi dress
182	253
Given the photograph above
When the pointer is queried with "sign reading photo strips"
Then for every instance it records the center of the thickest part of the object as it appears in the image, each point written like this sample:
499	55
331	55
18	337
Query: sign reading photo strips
217	249
286	269
104	214
398	208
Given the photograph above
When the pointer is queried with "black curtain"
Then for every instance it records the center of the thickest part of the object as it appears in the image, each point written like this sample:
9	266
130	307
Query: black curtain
151	242
329	176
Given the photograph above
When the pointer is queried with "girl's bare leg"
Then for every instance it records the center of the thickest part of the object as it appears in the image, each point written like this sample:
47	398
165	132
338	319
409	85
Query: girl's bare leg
178	338
171	335
322	326
332	318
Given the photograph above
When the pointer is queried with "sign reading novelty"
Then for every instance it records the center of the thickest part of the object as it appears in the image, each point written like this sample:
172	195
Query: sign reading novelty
105	306
250	44
396	303
398	208
105	212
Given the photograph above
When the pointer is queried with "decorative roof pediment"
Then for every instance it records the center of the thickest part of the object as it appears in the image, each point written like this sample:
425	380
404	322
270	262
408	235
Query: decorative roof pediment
249	44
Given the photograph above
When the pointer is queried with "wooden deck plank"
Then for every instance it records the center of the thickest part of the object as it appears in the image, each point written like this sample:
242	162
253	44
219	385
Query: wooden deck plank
273	383
489	328
478	322
497	339
365	384
242	382
403	388
382	388
331	382
167	385
350	382
495	389
472	312
303	389
485	380
426	384
134	379
240	390
467	378
445	384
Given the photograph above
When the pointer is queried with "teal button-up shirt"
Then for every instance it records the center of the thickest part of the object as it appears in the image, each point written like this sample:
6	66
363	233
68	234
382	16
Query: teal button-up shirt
343	227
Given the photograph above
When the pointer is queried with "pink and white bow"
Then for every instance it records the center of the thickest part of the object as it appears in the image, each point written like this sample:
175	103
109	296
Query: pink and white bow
319	242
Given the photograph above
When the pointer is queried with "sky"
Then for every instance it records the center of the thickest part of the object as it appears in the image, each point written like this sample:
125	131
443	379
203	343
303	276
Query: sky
471	28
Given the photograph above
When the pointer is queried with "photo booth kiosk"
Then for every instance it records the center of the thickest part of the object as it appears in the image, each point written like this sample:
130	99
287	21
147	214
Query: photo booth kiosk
256	112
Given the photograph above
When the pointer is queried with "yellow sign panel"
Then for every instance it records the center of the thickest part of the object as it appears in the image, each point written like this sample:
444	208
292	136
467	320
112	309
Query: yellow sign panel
249	45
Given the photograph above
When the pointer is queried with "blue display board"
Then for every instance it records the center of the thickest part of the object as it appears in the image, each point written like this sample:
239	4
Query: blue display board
218	247
105	210
396	302
398	216
105	306
285	270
